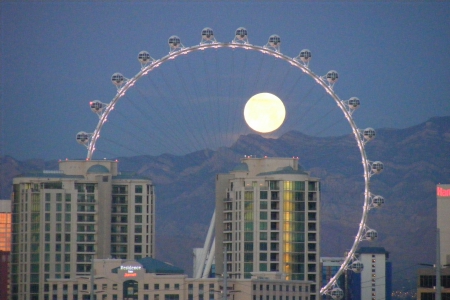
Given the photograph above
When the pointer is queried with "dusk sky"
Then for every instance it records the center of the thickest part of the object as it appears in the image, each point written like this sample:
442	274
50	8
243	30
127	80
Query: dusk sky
56	57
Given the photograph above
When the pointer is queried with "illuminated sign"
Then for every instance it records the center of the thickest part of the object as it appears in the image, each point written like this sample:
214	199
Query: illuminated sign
131	269
441	192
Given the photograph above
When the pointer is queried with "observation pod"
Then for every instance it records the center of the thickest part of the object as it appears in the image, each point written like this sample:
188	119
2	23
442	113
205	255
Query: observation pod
207	34
371	235
357	266
174	42
354	103
337	293
96	106
332	76
305	56
377	167
117	79
82	138
274	41
144	57
241	35
377	201
369	134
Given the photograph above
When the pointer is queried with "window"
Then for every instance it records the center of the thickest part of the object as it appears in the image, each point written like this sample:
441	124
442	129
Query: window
263	195
138	219
263	215
138	189
156	286
263	246
166	286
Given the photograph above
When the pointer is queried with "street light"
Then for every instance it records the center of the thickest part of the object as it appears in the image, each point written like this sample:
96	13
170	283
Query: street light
92	278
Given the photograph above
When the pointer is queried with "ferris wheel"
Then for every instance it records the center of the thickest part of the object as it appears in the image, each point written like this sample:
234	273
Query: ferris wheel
325	83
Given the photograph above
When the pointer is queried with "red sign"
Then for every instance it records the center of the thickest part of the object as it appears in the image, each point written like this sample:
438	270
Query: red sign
129	275
441	192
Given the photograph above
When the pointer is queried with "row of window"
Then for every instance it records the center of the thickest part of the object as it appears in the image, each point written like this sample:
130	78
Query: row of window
287	185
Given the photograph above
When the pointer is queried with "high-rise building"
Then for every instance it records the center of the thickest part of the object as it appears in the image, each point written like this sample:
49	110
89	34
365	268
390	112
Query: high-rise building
5	225
443	221
330	266
267	220
63	219
426	279
376	277
5	247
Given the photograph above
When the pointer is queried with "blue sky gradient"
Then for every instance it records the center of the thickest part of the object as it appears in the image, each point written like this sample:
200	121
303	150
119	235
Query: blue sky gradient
58	56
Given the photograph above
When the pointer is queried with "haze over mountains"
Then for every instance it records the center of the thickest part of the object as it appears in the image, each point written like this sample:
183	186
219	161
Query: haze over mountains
415	160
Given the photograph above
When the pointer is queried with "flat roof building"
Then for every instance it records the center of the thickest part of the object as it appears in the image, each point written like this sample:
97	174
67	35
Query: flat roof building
376	276
151	279
267	219
426	277
5	247
443	220
62	219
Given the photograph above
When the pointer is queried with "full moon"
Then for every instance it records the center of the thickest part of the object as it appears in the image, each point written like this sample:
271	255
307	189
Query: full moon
264	112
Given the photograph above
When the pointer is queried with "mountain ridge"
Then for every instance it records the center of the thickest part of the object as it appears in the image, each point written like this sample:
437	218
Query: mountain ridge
415	159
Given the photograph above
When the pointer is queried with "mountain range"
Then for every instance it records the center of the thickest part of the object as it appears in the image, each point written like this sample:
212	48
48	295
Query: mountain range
415	160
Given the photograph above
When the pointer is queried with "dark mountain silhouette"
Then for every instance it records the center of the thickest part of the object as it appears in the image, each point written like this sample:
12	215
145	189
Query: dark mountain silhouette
415	160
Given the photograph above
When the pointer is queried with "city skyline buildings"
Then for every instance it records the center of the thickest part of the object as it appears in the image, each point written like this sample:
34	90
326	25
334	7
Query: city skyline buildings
62	219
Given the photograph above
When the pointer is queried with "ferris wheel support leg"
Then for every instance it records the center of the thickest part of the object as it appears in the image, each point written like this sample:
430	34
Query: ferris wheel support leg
211	257
206	247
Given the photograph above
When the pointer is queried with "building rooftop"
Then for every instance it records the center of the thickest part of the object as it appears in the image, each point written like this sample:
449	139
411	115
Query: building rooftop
46	174
285	170
372	250
155	266
98	169
152	265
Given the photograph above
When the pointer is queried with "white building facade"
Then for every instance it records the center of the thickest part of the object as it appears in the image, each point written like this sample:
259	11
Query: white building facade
63	219
267	219
150	279
443	220
376	275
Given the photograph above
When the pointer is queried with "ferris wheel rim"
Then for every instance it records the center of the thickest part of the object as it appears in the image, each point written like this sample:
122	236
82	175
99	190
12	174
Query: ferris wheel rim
292	61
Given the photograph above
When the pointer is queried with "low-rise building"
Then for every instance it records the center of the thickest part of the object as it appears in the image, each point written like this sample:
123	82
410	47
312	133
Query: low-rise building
151	279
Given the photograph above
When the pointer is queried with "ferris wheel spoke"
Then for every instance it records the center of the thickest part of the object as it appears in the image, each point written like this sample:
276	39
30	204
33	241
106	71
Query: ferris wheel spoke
164	115
189	118
194	111
157	117
320	119
210	98
301	119
318	133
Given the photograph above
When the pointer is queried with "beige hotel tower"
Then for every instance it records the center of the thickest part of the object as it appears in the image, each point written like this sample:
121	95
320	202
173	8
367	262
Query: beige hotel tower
267	219
63	219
